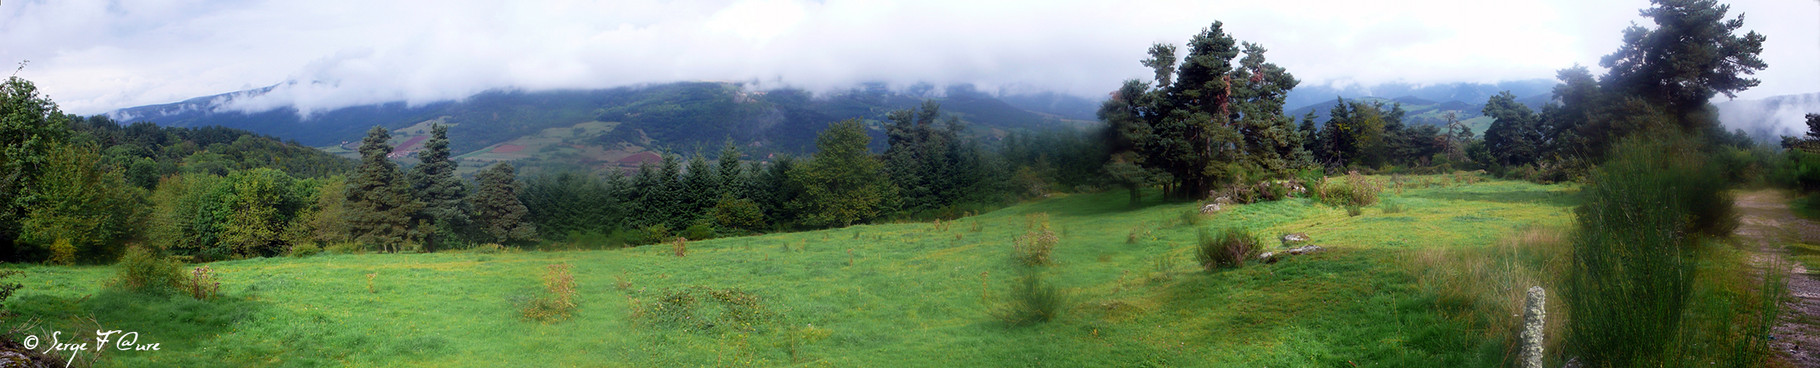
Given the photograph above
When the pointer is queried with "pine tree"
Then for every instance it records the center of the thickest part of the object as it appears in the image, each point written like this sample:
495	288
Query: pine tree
732	174
379	202
497	208
1512	136
700	190
434	185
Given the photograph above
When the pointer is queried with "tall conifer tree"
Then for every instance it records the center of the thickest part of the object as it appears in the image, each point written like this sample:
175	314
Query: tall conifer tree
379	202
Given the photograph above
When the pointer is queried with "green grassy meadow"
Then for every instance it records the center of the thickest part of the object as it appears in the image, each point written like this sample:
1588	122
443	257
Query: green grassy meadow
906	294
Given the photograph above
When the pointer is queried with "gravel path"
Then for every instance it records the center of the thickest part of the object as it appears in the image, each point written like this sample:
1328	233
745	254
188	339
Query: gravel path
1765	219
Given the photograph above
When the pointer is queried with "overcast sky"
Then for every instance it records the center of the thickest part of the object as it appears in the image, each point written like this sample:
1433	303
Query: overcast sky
93	56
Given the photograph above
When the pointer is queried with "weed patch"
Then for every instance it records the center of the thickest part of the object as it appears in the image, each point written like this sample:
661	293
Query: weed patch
558	298
1225	248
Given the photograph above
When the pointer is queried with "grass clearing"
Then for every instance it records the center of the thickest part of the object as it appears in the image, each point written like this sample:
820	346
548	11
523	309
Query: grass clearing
906	294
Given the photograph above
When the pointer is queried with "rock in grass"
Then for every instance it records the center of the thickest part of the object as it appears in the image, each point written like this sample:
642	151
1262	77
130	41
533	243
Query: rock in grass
1306	249
1273	257
1211	208
1293	239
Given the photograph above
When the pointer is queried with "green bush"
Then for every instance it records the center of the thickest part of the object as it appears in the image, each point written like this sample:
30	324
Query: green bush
344	248
1033	300
1349	190
1225	248
700	230
1033	248
305	250
143	271
1635	251
7	288
654	234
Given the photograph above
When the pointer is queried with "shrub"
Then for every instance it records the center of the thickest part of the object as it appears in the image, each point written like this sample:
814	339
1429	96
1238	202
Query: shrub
344	248
1350	190
654	234
143	271
700	230
62	253
305	250
1033	300
1637	246
202	284
1033	248
680	246
558	298
1225	248
738	213
7	288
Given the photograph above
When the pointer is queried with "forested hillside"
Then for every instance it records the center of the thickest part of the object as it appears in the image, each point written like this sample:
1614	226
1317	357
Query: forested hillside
677	117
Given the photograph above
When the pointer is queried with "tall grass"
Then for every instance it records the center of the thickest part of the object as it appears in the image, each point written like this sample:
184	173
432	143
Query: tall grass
1226	248
1483	287
1033	300
1350	191
1637	246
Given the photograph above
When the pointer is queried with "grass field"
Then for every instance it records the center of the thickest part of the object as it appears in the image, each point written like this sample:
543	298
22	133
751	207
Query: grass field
910	294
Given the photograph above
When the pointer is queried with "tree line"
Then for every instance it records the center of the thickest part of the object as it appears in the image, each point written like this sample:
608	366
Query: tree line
932	167
81	190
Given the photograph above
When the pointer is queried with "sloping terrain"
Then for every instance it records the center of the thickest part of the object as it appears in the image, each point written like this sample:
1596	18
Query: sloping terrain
907	294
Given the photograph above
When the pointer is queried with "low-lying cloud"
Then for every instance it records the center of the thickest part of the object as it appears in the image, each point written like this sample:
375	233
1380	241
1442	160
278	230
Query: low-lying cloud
95	56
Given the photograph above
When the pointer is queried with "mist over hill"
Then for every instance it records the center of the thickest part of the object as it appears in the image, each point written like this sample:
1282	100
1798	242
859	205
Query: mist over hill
687	116
677	117
1767	120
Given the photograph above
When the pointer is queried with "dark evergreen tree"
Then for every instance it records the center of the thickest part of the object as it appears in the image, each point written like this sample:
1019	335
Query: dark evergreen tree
1210	122
566	203
700	190
921	158
776	189
1567	122
733	180
1338	145
379	202
1513	137
1690	56
497	209
435	186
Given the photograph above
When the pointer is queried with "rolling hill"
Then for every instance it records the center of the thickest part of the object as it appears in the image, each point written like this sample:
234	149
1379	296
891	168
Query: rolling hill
675	117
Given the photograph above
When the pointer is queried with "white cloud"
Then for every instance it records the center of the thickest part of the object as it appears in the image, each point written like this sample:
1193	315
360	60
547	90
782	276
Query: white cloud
93	56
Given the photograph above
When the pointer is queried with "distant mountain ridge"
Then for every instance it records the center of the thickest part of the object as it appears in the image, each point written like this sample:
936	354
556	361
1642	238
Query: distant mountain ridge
1471	93
1768	119
675	116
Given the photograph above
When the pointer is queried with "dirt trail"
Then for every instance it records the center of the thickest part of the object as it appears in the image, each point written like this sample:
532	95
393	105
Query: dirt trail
1764	219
